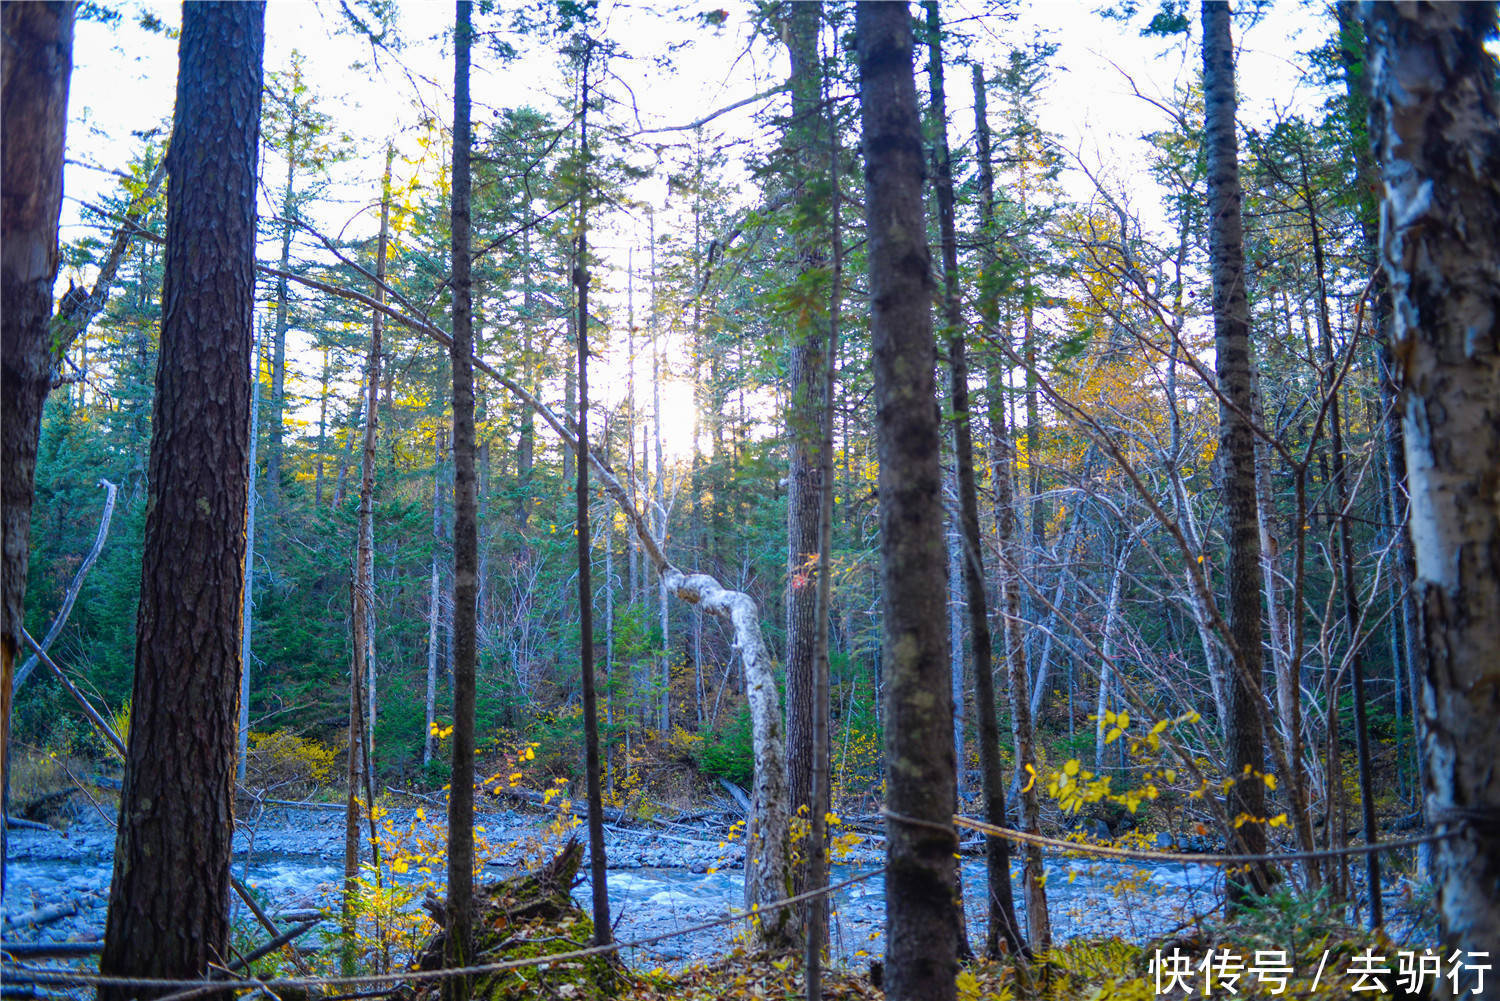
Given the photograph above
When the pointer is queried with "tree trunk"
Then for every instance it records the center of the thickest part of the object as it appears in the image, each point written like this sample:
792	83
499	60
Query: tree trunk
921	940
1348	583
434	605
807	338
1412	657
1002	918
247	615
278	339
459	947
815	938
1246	798
598	865
169	899
1433	119
362	605
38	60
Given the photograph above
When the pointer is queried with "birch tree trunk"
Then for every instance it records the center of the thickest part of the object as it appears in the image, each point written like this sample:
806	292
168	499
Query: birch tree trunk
1435	127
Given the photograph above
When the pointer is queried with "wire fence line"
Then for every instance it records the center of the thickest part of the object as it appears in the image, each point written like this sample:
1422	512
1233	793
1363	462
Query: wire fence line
187	989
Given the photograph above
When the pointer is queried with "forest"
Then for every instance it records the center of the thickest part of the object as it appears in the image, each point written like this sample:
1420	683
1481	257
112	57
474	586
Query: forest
804	498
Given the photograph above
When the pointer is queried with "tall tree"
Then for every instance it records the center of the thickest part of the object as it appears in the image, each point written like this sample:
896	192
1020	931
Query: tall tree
1233	361
362	592
597	861
458	947
38	60
169	899
1435	127
807	337
921	951
1002	925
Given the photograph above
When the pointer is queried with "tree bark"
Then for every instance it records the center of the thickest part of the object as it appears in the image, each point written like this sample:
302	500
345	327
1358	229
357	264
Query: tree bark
278	339
169	899
434	605
242	745
1002	918
807	337
598	864
921	940
38	60
1245	799
459	946
362	607
1435	127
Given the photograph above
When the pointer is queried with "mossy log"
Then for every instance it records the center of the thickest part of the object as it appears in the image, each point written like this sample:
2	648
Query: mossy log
527	915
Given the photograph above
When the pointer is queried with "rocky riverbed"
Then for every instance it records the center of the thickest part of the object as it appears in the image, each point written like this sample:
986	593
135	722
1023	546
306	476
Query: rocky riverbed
662	878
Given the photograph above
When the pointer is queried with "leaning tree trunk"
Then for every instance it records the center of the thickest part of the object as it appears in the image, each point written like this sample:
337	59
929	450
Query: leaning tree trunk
38	60
1246	798
1435	126
169	899
921	939
458	949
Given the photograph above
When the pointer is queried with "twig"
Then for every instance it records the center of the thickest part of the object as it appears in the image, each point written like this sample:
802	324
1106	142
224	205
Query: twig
24	671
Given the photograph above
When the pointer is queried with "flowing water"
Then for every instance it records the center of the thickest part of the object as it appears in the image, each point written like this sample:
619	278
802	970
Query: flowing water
660	886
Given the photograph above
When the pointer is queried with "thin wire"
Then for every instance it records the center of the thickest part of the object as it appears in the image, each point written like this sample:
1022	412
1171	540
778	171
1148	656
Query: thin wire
55	976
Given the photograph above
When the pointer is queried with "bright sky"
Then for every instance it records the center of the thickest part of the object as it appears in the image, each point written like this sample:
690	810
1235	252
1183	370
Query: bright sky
124	80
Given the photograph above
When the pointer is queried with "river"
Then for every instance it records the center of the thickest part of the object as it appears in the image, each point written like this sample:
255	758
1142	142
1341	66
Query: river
659	882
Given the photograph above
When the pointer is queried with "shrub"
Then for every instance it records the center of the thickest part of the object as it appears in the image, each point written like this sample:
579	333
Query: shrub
284	758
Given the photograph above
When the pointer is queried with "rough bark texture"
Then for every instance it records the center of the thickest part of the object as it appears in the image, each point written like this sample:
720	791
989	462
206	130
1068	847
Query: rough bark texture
921	945
1246	798
1436	133
169	900
804	410
38	59
458	950
804	435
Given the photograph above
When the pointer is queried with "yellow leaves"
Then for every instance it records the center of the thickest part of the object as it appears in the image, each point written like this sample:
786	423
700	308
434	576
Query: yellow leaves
441	732
1031	780
421	814
1278	821
1270	781
968	986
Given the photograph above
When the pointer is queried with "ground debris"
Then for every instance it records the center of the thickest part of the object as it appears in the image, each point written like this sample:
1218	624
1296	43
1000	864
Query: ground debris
527	916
